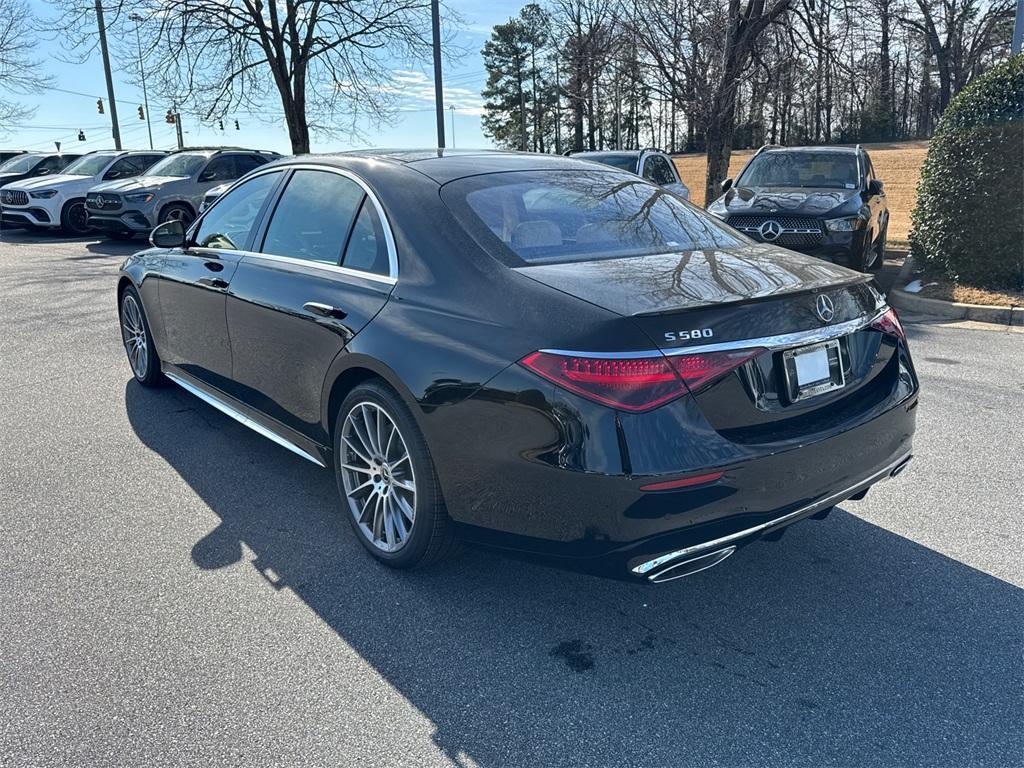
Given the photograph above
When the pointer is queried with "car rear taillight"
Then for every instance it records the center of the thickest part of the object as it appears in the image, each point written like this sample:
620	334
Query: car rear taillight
634	383
890	323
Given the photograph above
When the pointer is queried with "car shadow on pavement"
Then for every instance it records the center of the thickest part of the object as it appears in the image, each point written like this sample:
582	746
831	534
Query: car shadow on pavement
842	644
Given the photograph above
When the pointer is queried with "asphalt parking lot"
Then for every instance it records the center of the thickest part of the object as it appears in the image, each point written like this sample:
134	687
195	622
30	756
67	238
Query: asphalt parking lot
180	591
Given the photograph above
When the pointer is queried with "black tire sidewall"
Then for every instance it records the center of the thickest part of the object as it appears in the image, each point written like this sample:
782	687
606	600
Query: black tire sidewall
177	207
154	376
429	504
65	218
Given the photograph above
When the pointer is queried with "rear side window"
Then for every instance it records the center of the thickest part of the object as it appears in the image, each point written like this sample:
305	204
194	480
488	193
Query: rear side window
313	218
564	216
367	250
656	168
246	163
230	222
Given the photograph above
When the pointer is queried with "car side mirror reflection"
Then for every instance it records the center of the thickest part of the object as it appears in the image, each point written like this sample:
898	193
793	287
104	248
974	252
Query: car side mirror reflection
726	185
875	187
170	234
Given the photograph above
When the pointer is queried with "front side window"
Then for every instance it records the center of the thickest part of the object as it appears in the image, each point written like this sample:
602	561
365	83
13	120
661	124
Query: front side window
832	170
246	163
88	165
220	169
313	218
123	168
181	165
230	222
564	216
20	164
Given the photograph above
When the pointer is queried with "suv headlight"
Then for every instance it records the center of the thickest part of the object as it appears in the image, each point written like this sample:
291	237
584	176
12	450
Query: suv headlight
43	194
139	197
846	224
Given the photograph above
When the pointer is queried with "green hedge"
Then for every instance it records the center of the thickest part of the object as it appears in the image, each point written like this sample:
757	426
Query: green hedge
968	224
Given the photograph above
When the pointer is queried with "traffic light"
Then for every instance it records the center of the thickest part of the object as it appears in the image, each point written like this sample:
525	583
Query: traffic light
81	135
142	114
99	106
220	124
169	117
236	126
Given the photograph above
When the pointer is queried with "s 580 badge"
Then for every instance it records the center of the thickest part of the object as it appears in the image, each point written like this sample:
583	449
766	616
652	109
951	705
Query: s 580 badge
696	333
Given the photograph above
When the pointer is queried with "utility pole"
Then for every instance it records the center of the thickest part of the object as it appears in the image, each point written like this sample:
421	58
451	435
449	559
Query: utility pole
1018	28
177	126
558	109
106	71
451	109
435	23
145	96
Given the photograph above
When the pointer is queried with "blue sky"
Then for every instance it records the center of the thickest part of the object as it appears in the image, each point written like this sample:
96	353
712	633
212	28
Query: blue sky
60	115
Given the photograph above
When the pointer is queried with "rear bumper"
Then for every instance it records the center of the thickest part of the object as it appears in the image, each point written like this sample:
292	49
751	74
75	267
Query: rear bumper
541	476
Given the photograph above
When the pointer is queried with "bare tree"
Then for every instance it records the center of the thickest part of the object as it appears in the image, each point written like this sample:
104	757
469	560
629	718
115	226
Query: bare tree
326	61
19	71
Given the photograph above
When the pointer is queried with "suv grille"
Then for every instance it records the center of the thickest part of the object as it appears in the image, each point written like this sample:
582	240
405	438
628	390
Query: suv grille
14	197
791	231
102	201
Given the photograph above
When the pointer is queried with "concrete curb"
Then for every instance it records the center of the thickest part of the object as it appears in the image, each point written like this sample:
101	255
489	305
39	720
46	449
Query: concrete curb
982	313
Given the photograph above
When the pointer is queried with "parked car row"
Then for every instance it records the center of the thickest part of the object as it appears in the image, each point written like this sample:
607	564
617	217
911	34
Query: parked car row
119	193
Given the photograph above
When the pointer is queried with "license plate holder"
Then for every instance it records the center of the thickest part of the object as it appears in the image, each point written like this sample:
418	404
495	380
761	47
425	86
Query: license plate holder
814	370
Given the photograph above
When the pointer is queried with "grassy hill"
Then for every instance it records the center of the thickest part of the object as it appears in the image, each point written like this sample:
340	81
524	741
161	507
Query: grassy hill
898	165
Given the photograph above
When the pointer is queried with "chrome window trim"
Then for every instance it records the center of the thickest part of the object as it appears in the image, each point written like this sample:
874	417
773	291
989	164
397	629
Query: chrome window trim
389	239
241	418
780	341
820	504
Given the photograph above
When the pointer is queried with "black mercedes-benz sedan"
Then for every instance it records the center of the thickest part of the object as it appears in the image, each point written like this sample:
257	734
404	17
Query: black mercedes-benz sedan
529	352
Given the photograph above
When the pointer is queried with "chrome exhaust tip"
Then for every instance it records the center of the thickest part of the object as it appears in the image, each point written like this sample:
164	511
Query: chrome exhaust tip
678	570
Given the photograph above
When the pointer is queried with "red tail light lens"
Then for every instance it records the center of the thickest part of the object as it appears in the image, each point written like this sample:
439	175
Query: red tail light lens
634	383
890	323
700	370
630	383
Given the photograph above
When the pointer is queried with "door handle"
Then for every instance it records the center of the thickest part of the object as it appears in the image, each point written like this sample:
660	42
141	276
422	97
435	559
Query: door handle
213	282
324	310
214	266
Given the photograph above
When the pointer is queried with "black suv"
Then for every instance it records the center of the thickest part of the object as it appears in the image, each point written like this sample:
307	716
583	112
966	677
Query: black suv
823	201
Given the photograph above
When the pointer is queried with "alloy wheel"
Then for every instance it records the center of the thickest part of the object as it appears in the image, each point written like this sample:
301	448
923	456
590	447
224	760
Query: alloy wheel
179	214
78	218
378	477
871	257
133	331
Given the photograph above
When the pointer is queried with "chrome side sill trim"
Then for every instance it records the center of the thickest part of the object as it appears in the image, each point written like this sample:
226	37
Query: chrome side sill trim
810	508
780	341
241	418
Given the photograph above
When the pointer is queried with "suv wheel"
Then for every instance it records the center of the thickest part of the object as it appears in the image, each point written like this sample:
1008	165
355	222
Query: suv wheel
388	486
177	212
74	218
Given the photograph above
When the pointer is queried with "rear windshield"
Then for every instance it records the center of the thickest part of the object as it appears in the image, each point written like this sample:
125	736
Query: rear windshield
20	164
624	162
833	170
563	216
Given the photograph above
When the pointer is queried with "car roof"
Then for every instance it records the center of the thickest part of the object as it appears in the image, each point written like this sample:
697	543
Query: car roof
441	165
811	148
609	153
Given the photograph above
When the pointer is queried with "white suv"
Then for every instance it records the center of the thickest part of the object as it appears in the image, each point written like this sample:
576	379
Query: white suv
59	200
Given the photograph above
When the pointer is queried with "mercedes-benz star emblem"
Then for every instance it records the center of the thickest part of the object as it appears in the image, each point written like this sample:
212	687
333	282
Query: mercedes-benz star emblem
99	202
826	310
770	230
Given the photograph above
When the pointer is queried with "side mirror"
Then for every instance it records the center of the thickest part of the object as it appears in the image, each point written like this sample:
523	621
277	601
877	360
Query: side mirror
41	172
875	187
170	234
207	176
111	175
726	185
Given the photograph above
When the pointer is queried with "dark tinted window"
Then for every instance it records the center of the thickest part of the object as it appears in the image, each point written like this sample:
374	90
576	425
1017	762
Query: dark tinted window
367	249
246	163
221	168
657	169
623	161
229	222
313	217
548	216
125	167
835	170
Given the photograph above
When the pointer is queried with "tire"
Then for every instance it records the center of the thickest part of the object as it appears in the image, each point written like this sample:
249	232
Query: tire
873	257
142	356
74	218
375	469
179	212
123	235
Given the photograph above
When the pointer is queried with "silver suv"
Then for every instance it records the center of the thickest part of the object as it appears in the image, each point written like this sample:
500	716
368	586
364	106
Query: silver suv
173	189
653	164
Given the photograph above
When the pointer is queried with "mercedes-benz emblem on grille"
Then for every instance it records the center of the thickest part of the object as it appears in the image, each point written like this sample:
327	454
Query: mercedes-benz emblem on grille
770	230
825	309
98	201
